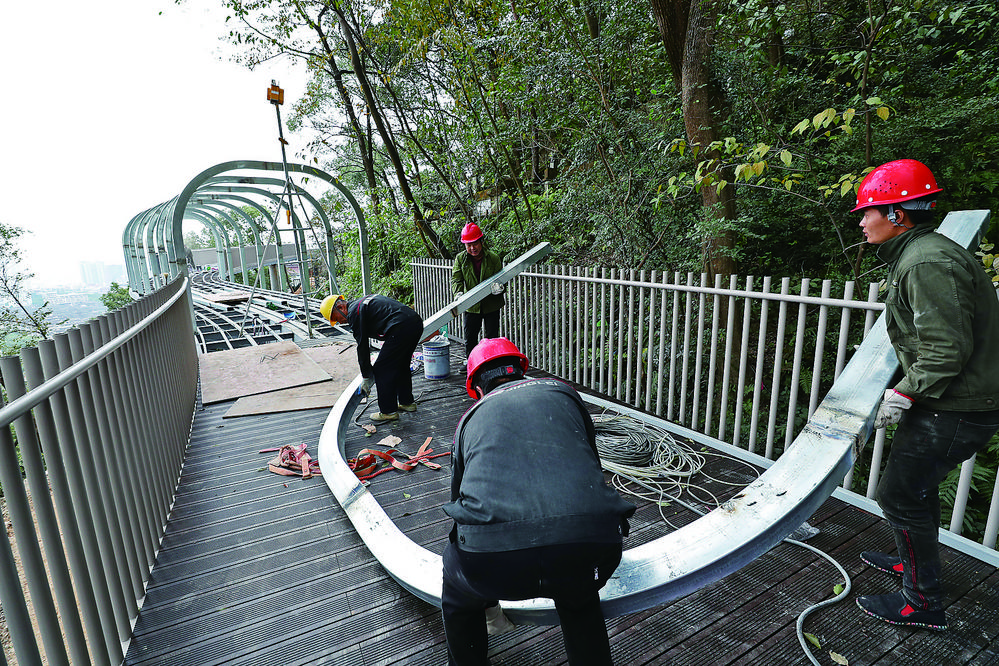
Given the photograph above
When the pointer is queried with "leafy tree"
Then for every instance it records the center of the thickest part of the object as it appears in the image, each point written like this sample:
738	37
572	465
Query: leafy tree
20	325
687	29
858	85
330	37
116	297
624	133
197	241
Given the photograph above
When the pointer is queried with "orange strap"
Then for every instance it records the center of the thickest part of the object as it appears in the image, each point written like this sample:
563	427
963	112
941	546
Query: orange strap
366	464
293	461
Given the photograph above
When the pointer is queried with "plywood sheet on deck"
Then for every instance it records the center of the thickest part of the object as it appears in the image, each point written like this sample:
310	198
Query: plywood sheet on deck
339	360
227	297
252	370
313	396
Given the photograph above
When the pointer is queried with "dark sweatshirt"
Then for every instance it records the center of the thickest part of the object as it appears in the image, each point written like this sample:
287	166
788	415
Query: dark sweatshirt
526	473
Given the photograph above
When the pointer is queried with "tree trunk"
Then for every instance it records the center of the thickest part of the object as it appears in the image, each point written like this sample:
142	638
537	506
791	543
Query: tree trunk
363	149
685	30
431	240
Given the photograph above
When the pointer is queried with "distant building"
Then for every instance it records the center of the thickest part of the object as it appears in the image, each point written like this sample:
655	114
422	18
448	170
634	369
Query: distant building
92	273
116	273
97	274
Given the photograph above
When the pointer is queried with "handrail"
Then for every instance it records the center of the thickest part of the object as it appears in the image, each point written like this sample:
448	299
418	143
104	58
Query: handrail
713	291
41	393
102	414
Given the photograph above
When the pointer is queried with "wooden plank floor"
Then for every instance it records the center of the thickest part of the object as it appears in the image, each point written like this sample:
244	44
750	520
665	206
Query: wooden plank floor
257	568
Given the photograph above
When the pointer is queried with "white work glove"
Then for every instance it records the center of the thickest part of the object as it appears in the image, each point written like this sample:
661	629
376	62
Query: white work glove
892	406
366	386
497	288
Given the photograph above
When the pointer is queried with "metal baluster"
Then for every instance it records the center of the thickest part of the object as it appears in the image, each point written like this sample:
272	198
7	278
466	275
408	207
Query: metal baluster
792	402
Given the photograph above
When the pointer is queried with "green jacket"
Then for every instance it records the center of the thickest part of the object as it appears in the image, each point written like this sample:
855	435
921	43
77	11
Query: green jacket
463	278
942	316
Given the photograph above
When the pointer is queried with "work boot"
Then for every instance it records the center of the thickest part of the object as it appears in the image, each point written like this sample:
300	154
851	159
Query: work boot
890	564
894	609
496	621
378	416
408	408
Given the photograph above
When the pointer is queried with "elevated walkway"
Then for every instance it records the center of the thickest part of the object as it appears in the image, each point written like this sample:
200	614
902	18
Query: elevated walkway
238	565
257	568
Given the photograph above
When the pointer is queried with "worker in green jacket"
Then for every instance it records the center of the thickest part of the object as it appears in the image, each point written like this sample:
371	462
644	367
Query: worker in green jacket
471	267
942	317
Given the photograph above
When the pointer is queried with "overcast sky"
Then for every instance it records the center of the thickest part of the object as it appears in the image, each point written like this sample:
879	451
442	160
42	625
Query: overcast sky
111	107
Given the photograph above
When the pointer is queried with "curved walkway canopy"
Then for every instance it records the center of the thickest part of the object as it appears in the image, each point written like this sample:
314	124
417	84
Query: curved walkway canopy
220	198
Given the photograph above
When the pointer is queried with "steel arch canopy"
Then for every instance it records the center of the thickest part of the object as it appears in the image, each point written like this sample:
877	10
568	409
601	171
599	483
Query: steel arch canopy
153	242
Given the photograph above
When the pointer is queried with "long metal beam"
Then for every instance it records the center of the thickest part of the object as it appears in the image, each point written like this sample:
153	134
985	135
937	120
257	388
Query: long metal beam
719	543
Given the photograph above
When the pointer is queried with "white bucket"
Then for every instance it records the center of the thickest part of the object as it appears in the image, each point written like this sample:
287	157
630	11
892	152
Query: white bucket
437	359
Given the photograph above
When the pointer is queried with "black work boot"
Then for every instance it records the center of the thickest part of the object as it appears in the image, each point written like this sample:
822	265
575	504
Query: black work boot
890	564
894	609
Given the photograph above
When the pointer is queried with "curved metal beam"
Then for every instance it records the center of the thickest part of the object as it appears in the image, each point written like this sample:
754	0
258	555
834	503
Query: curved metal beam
225	194
207	216
216	185
220	210
205	175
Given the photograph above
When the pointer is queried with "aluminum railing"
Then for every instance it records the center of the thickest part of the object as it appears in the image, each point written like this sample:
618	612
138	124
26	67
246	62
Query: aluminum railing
744	363
102	416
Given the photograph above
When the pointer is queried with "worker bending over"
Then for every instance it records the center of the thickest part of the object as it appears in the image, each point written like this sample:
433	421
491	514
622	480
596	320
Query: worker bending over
533	516
400	328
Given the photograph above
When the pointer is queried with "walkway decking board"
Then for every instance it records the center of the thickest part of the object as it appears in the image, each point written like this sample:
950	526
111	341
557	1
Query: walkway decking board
261	569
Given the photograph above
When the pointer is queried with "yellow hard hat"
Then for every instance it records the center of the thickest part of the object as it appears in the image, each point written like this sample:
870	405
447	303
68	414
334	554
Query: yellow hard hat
327	305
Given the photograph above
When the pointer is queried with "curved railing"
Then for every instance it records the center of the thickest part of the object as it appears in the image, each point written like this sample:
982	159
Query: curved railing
109	405
719	543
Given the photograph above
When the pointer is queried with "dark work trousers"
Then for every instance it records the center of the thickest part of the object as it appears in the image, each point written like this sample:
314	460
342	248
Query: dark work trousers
927	445
393	378
570	574
473	324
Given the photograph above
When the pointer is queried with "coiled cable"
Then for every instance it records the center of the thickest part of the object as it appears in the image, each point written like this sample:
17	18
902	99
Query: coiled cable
648	462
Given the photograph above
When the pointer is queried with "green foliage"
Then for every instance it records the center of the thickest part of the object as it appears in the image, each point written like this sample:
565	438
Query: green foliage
12	342
20	324
985	251
976	512
563	120
197	241
116	297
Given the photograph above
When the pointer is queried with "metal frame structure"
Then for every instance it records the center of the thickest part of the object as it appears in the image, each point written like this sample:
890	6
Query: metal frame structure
153	242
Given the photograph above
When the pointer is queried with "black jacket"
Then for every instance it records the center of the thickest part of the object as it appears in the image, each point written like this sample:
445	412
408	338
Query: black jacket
526	473
374	316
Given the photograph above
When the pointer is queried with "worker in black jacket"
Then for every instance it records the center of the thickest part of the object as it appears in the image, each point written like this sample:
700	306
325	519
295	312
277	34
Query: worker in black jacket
533	516
400	327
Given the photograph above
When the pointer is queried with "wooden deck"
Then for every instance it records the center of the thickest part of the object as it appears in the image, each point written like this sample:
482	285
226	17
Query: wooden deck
257	568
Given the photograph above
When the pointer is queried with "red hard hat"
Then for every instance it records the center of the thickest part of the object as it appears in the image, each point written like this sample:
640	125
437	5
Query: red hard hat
895	182
487	350
471	233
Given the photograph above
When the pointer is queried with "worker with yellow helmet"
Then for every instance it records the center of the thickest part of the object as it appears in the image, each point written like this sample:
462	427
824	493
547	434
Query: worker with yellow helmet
400	327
